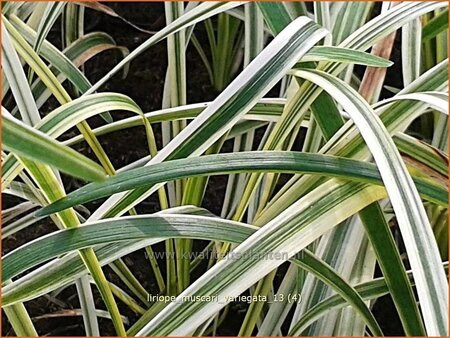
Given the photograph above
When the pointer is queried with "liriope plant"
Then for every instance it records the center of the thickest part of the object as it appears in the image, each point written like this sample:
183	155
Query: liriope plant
370	165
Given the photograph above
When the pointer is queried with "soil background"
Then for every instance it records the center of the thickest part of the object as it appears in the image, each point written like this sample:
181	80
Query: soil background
144	84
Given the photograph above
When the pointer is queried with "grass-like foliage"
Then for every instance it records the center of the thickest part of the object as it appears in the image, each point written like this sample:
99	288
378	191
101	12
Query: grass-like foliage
335	191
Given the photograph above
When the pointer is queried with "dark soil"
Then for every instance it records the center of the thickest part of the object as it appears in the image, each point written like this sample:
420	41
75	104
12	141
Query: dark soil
144	84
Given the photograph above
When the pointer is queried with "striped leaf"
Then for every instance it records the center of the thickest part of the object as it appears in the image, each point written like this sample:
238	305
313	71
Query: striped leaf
174	226
28	142
264	71
286	162
413	221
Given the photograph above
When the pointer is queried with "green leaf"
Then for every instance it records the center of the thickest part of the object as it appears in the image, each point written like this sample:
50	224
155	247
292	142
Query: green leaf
69	115
435	26
326	115
276	15
265	110
344	55
286	162
20	320
389	259
28	142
